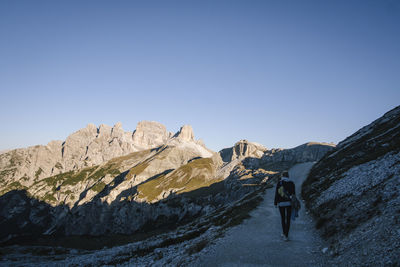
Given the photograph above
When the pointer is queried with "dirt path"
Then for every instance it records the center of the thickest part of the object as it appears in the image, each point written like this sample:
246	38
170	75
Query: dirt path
257	241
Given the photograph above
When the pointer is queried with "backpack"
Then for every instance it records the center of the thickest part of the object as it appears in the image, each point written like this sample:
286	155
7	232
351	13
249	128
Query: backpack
282	191
293	199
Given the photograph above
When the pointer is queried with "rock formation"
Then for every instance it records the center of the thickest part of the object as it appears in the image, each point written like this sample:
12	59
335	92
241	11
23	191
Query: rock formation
185	133
150	134
243	149
87	147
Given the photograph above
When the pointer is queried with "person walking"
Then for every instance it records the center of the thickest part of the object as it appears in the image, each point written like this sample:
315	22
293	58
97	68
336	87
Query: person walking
285	189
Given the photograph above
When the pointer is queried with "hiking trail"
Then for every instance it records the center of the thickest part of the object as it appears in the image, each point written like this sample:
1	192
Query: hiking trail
257	241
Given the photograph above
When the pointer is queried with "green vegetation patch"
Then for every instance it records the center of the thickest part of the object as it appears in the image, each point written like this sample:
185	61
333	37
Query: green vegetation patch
71	178
138	169
110	169
13	186
49	198
202	163
184	179
56	179
150	189
99	187
79	176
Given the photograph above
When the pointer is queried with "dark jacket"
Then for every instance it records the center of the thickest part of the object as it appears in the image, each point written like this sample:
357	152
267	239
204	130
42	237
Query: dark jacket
290	189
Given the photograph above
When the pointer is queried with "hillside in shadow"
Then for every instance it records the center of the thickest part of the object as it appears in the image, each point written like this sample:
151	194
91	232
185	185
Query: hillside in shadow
25	220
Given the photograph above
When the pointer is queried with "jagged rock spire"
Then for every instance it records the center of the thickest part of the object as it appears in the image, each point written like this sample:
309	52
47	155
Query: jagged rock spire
185	133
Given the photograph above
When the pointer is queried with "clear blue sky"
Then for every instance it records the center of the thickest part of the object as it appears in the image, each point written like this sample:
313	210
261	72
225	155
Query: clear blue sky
279	73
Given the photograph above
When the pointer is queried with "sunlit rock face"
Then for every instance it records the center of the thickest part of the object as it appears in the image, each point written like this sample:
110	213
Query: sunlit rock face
149	134
87	147
185	133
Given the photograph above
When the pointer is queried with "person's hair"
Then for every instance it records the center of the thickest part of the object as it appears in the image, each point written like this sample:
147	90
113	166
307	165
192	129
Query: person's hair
285	174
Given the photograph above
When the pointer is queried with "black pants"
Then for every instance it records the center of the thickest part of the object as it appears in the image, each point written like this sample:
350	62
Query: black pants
286	213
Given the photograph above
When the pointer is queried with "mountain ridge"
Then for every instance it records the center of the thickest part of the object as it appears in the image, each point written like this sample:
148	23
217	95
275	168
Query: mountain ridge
111	178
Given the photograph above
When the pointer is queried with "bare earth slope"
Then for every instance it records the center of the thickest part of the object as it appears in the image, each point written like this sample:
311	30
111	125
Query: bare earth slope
257	241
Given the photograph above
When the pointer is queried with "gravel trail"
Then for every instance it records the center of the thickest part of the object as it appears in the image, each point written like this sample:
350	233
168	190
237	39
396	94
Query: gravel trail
257	241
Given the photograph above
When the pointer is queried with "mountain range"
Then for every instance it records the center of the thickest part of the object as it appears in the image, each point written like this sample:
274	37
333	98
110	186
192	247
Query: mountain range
165	194
103	180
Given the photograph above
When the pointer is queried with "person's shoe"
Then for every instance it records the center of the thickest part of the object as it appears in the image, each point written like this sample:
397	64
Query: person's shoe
286	238
282	235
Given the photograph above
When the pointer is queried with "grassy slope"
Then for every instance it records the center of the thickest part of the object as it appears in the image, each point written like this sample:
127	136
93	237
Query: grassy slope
193	175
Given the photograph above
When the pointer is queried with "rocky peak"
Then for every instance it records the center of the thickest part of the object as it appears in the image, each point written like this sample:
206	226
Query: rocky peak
91	127
149	134
75	146
185	133
117	130
243	149
105	130
89	131
118	125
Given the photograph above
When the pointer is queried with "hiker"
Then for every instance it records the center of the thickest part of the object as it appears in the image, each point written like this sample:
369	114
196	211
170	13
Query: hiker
285	189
